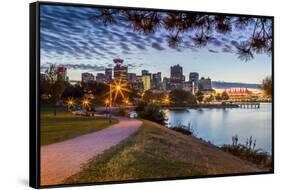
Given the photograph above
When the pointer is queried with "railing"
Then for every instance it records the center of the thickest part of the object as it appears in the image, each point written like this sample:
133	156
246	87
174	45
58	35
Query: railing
249	105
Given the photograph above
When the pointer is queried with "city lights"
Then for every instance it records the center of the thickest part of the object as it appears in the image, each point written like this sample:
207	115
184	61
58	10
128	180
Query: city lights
70	103
166	100
85	103
118	88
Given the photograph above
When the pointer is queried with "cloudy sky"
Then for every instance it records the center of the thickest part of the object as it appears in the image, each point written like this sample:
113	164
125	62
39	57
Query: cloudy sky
70	36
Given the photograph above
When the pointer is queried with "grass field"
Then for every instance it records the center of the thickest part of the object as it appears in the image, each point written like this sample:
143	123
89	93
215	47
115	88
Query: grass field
65	125
144	155
157	152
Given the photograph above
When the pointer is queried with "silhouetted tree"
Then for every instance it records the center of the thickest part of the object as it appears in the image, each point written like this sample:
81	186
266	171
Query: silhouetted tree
74	91
181	97
198	26
267	86
224	96
199	96
210	98
55	85
218	97
153	112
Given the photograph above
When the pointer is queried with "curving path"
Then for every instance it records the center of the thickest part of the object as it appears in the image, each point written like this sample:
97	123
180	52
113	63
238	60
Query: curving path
63	159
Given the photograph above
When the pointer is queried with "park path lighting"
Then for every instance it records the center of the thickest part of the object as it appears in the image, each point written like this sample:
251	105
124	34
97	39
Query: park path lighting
126	101
166	100
106	102
70	103
117	88
85	103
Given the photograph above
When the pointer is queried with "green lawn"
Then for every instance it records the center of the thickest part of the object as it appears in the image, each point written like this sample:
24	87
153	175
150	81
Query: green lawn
147	154
65	125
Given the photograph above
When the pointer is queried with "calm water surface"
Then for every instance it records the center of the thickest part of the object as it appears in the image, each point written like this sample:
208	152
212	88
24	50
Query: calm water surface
219	125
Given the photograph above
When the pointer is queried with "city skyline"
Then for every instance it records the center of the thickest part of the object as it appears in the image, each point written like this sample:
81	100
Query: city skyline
84	45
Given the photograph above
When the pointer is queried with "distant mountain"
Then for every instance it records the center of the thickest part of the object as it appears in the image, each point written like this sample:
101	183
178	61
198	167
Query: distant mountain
222	85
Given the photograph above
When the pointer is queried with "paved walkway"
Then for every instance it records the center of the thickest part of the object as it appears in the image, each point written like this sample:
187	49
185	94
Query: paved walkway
63	159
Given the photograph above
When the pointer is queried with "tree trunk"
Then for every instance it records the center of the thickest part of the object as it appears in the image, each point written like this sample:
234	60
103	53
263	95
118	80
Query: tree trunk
55	109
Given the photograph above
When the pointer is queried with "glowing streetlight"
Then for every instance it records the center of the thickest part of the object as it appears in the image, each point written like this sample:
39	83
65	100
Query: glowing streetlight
117	88
85	103
126	101
70	103
166	100
106	102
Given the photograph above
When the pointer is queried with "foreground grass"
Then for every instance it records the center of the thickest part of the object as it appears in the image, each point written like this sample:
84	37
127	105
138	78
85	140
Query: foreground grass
65	125
157	152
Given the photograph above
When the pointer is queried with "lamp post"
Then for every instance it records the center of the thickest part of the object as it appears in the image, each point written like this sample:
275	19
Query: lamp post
110	102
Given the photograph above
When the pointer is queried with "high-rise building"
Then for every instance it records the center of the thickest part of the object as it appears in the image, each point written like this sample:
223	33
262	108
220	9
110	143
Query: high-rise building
87	77
205	84
108	74
193	77
100	77
146	80
156	80
177	76
136	84
187	86
193	80
61	72
145	72
132	77
166	83
120	71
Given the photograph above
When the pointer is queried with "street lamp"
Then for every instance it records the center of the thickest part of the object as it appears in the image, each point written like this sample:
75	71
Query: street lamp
166	100
70	103
106	102
118	87
85	103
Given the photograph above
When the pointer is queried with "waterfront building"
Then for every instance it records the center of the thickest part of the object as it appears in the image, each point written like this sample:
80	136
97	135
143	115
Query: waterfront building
237	91
205	85
193	76
176	75
194	80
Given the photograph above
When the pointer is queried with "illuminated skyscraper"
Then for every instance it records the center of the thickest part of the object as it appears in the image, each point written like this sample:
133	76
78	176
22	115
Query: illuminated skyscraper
108	74
146	82
120	71
177	74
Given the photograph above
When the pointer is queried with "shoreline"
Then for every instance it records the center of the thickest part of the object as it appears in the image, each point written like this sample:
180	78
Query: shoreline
211	106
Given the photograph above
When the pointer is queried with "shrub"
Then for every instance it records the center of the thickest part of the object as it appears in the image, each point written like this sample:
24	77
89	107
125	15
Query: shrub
154	113
248	152
122	111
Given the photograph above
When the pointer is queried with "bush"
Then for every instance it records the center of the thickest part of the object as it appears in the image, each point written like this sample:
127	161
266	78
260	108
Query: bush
154	113
140	106
122	111
248	152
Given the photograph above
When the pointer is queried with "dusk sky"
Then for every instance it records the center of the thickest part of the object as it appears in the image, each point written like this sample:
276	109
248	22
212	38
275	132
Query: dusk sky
70	36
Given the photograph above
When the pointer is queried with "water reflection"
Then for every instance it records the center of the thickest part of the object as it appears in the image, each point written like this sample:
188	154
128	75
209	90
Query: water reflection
219	125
